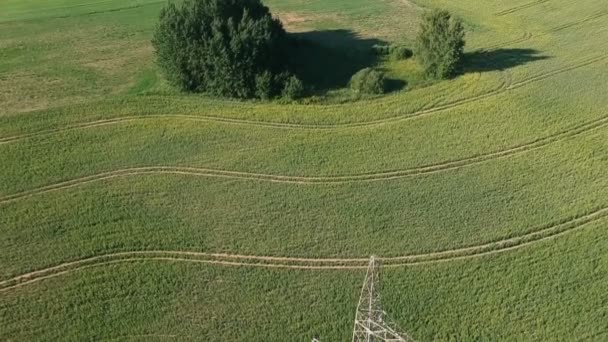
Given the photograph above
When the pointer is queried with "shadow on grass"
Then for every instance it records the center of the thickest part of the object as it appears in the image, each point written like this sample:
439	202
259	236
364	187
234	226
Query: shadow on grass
393	85
327	59
499	59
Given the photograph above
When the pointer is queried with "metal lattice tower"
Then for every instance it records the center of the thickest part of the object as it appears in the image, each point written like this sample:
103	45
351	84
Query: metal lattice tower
371	322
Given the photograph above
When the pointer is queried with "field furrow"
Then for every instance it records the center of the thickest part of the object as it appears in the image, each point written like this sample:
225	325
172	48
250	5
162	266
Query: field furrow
368	177
521	7
510	244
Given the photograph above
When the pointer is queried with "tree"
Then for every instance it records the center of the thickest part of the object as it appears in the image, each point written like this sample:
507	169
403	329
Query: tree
440	44
368	81
230	48
293	89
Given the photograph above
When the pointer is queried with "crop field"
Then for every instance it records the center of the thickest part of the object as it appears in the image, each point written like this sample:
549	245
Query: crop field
132	212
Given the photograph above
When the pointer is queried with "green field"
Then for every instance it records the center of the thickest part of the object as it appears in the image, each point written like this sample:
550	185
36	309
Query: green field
130	211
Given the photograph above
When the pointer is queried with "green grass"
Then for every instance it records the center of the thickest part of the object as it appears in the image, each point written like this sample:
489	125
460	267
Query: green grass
554	291
525	125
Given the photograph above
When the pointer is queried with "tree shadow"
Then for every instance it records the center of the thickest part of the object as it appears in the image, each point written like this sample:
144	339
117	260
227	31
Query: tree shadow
499	59
327	59
393	85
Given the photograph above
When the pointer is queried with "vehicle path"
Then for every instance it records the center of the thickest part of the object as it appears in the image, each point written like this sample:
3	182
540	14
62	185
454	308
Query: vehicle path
520	7
278	262
309	180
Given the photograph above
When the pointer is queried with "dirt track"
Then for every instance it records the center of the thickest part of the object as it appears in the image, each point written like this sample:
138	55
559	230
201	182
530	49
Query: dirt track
223	259
369	177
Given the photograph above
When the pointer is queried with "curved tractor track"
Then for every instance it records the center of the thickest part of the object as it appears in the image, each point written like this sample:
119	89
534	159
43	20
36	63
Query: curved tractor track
525	37
92	12
520	7
223	259
369	177
528	35
281	125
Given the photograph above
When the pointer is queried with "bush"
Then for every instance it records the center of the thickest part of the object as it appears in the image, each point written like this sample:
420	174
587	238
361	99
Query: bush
440	44
398	52
381	50
368	81
230	48
264	85
293	88
394	52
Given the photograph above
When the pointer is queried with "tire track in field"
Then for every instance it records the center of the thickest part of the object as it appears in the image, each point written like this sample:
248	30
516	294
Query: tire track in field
111	10
528	35
525	37
92	12
310	180
43	10
147	336
281	125
520	7
577	22
333	264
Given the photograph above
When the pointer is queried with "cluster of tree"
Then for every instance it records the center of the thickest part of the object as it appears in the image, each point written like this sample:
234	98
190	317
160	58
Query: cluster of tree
232	48
235	48
393	52
439	49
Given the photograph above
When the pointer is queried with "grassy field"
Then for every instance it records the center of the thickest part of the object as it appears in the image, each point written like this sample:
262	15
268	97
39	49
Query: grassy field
125	205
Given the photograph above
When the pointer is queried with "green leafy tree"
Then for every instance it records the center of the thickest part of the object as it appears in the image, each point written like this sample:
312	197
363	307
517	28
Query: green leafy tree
231	48
368	81
440	44
293	88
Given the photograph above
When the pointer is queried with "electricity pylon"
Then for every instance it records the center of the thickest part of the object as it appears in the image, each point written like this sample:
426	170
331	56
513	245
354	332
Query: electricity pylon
371	322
